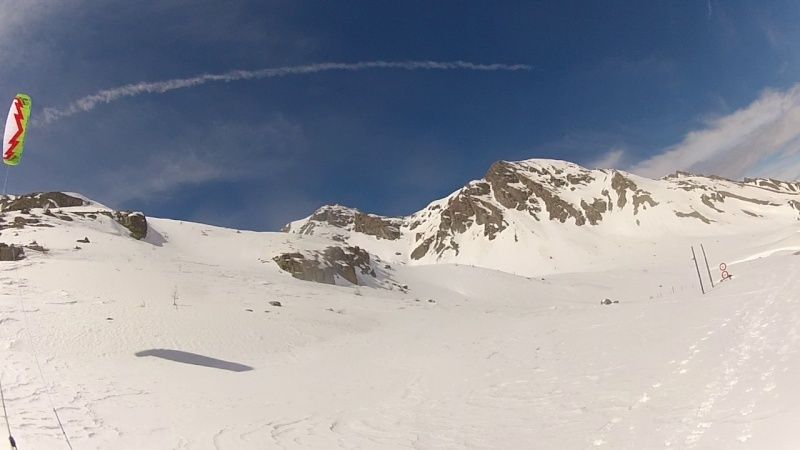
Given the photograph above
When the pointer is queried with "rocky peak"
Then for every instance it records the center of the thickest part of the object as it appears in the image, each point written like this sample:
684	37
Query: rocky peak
549	202
346	219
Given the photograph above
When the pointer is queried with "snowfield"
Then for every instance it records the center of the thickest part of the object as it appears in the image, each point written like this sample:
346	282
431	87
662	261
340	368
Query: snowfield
469	357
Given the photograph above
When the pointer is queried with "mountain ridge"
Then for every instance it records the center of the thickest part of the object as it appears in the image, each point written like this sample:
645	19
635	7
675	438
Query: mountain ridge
562	205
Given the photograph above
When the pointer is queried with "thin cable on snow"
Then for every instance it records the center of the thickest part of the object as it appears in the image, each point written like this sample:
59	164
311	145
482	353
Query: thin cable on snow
41	373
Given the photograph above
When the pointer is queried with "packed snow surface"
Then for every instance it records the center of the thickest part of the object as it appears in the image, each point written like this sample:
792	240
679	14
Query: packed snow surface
172	343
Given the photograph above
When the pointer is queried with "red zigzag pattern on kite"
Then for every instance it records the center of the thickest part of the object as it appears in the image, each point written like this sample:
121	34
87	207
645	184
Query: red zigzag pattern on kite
15	139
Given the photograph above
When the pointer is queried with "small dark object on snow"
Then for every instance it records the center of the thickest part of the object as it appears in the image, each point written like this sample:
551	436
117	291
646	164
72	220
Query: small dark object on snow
275	303
77	247
249	310
109	318
35	246
430	300
387	266
83	241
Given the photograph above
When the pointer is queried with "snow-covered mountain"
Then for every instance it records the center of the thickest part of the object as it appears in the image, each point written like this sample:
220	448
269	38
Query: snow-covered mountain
142	332
546	216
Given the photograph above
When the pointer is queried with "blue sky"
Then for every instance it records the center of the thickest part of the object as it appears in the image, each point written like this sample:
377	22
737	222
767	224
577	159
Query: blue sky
650	87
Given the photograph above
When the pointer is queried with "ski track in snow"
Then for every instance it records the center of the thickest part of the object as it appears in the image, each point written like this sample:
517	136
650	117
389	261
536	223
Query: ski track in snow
756	329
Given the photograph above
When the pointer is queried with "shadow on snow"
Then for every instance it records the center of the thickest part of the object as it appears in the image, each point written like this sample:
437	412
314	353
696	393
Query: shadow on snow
194	359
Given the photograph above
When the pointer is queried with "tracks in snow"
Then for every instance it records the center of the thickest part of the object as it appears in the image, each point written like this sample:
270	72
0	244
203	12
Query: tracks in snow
728	371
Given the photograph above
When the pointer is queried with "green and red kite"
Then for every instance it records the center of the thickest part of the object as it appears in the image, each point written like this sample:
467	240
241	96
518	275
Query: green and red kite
16	129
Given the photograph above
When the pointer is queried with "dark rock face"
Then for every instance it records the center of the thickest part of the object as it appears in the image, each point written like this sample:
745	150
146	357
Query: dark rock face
422	249
135	222
533	193
305	269
21	222
694	215
322	267
352	219
622	185
777	185
11	252
339	217
639	197
375	226
534	189
594	211
470	206
40	200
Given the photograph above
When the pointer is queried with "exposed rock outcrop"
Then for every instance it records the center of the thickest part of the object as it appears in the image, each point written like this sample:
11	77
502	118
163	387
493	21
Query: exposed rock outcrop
350	219
11	252
40	200
325	266
377	226
135	222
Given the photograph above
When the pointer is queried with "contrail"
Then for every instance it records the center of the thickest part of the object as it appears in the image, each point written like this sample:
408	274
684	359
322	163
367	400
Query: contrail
89	102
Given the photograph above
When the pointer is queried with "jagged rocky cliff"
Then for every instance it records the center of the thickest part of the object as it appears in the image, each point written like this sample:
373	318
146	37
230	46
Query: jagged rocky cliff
539	216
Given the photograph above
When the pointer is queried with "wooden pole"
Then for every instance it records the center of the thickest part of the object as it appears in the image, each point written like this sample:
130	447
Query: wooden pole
694	257
707	268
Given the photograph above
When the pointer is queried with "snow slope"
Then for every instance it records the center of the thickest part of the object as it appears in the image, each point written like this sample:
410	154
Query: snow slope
469	357
543	216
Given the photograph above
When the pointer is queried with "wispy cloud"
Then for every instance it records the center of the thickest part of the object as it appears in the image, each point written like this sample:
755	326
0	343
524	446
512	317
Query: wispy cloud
611	160
251	151
760	139
89	102
21	20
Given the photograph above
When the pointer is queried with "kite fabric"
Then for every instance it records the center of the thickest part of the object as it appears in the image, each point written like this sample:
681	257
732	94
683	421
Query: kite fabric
16	129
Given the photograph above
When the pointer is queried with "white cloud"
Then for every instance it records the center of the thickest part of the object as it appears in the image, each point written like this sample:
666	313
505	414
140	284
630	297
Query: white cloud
230	152
761	139
611	160
20	21
89	102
